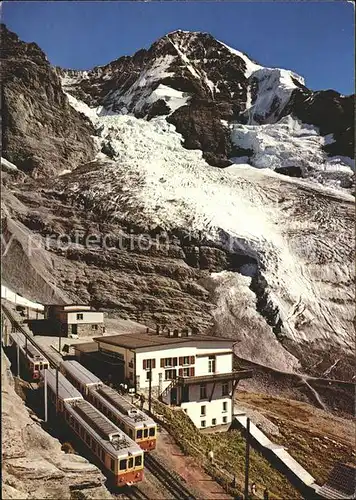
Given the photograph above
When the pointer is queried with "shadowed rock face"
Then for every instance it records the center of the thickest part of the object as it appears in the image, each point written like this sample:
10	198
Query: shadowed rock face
331	112
42	134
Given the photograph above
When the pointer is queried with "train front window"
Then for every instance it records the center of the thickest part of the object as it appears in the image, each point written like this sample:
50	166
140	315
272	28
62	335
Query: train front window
145	433
138	460
131	463
123	464
139	434
152	431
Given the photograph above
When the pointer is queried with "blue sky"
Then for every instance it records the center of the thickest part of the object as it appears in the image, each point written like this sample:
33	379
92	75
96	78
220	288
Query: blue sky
315	39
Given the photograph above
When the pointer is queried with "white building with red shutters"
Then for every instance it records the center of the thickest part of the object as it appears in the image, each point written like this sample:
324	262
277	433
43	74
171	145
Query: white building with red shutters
191	371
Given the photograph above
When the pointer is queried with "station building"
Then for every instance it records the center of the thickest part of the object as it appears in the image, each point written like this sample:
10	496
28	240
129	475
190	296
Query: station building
75	320
194	372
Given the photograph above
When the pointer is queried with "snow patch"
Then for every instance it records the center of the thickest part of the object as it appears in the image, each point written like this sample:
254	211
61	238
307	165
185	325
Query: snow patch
290	143
6	165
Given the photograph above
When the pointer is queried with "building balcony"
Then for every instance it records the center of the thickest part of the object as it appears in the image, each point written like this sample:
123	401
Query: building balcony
214	377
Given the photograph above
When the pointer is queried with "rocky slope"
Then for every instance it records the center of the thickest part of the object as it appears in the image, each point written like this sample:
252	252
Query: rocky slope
41	133
239	250
33	465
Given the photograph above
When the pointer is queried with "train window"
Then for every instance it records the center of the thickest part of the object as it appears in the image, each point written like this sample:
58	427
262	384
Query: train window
88	439
145	433
152	431
82	432
103	455
123	464
139	434
131	463
138	460
36	368
76	426
94	447
112	465
130	433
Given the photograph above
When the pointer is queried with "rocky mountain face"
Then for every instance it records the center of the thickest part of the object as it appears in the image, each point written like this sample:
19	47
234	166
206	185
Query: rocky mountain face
238	250
41	133
202	83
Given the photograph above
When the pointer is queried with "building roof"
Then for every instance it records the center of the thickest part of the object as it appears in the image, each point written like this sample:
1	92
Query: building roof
86	347
138	340
67	305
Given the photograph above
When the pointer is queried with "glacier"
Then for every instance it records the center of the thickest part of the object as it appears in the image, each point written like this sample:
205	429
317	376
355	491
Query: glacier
285	225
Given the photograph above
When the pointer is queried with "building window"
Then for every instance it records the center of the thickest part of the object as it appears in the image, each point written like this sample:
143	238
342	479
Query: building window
203	423
149	364
225	389
203	411
224	420
94	327
211	367
224	406
186	360
79	316
202	391
168	362
213	421
186	372
170	374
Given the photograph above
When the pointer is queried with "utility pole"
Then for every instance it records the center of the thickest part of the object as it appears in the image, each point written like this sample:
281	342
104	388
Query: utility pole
150	389
247	457
18	359
56	390
60	339
45	396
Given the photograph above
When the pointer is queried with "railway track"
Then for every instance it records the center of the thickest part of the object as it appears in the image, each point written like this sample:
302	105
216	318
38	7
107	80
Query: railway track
18	327
169	479
132	492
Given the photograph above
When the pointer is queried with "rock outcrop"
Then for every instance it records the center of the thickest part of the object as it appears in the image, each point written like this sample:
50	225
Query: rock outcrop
33	465
41	133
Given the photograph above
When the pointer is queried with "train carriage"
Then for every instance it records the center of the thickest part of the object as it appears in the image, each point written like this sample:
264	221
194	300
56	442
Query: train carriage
134	422
33	361
119	455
